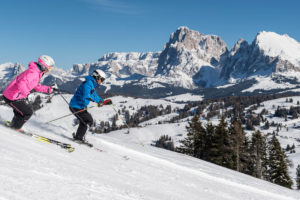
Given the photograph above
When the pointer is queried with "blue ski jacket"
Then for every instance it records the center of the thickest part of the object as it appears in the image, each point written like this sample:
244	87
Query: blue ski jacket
85	93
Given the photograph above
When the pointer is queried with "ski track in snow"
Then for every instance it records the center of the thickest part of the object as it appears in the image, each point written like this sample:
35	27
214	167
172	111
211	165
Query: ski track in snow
50	179
22	174
193	171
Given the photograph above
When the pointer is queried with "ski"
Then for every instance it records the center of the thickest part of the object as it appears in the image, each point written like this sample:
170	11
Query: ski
40	138
82	143
87	144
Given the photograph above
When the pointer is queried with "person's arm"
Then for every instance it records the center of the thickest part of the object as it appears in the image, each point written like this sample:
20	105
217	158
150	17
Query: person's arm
43	88
91	94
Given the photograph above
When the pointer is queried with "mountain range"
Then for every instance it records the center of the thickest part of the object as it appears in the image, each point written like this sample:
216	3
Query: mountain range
190	62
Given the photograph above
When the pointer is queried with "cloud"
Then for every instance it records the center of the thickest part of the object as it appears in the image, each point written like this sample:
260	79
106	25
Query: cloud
115	6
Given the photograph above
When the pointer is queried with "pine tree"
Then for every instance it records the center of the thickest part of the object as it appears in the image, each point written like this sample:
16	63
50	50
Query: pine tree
298	177
209	133
192	144
258	152
267	125
168	109
278	170
221	152
127	116
114	122
165	142
239	146
288	147
293	149
201	142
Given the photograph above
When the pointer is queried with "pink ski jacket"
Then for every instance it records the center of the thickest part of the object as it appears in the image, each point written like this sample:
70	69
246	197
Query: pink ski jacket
21	86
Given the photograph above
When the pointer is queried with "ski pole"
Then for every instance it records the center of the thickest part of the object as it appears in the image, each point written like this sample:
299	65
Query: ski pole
64	98
141	143
74	113
121	118
50	96
69	115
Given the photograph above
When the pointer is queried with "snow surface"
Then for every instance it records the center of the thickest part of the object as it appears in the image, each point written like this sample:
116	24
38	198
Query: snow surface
184	97
129	168
266	83
227	85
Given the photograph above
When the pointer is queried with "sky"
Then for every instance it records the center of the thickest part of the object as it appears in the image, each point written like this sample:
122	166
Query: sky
82	31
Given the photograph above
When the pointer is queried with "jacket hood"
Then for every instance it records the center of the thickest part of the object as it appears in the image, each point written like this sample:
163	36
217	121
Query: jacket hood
90	78
33	66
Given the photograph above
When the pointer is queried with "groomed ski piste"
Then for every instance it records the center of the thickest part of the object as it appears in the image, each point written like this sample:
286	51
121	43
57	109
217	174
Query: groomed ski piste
129	168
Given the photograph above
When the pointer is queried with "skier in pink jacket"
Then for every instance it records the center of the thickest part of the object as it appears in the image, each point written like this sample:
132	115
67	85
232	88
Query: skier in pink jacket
15	94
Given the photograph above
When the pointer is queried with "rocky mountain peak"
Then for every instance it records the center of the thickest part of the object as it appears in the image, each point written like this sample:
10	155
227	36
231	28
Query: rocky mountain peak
186	52
185	39
241	44
81	68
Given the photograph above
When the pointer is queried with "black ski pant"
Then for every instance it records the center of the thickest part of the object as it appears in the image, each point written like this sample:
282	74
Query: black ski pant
22	111
85	120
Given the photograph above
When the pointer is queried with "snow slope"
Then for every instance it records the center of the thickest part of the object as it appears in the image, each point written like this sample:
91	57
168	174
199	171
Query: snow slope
128	169
266	83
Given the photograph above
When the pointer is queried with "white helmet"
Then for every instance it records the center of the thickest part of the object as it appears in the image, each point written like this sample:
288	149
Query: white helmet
99	75
46	62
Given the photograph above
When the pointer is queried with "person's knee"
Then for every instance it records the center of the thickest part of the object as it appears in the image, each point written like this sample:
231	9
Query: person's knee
90	122
28	114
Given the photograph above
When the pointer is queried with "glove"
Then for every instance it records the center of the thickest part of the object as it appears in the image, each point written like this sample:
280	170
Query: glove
54	87
100	103
107	102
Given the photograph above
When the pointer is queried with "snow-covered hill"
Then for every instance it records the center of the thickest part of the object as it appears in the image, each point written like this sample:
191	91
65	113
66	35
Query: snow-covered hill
128	168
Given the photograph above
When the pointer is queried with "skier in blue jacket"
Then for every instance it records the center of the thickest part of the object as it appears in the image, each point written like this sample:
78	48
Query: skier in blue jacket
85	93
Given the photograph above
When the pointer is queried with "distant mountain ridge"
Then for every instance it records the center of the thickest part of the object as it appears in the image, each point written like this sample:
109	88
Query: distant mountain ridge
269	53
192	62
8	71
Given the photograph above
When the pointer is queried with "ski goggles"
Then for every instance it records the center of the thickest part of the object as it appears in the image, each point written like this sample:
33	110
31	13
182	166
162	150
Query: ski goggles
102	79
44	66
